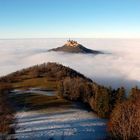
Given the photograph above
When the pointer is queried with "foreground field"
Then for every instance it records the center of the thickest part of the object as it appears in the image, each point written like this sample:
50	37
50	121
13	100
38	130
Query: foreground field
58	119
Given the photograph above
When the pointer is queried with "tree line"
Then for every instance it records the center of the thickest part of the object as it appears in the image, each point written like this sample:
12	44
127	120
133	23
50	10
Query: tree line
123	112
101	99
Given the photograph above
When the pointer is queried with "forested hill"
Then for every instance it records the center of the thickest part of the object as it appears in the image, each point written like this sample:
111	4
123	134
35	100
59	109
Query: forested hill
68	83
49	70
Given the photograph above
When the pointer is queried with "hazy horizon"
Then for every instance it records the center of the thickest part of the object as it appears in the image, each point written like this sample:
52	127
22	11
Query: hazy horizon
115	38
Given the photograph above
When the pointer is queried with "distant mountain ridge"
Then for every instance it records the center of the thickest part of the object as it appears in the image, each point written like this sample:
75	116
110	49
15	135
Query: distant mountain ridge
72	46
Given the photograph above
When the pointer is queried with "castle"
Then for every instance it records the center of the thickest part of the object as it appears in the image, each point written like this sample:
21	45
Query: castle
71	43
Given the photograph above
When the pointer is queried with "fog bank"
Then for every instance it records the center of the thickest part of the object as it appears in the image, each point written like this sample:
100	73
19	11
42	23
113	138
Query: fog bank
120	66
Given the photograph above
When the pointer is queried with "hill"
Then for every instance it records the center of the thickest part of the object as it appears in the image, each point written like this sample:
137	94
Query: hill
45	75
74	47
66	82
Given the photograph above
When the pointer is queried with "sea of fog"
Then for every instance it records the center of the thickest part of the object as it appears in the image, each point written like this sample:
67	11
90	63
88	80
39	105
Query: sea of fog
119	66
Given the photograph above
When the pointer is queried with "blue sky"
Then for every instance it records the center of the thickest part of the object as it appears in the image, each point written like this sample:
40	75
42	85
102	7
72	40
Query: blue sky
69	18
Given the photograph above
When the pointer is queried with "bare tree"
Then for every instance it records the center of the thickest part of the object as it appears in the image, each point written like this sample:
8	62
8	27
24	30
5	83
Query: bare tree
125	121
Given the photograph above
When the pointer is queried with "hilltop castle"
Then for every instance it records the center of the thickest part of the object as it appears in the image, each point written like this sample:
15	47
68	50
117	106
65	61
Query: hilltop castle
72	46
72	43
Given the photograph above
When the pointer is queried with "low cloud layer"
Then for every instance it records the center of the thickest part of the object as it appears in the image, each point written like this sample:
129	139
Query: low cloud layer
120	66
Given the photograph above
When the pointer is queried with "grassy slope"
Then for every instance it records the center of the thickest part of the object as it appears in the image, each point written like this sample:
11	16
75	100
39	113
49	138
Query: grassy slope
47	80
36	101
36	82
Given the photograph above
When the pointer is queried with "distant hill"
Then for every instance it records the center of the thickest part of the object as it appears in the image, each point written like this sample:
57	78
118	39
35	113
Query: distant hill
74	47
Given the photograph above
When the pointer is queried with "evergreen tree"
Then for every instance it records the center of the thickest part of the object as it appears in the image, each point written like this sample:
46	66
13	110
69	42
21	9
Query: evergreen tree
120	96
